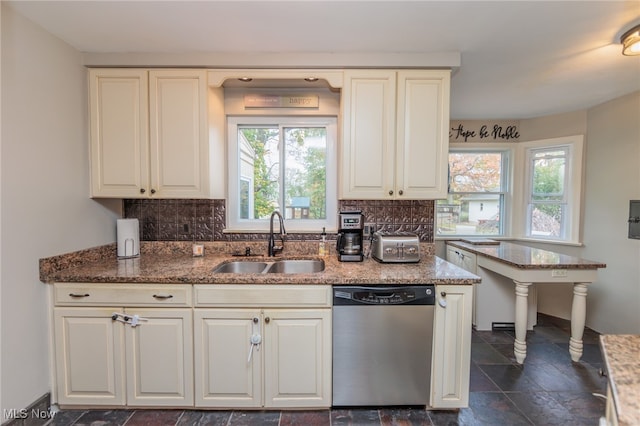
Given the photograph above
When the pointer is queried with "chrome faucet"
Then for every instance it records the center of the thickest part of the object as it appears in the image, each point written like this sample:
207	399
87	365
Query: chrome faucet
272	248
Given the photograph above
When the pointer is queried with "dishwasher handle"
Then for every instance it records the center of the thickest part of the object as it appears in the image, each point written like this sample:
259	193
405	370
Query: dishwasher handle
384	296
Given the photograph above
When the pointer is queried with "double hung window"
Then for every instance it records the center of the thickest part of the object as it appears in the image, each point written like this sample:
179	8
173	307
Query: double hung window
286	164
553	177
478	193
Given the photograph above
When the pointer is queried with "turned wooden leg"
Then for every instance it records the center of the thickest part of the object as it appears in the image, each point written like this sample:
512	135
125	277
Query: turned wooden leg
578	317
520	344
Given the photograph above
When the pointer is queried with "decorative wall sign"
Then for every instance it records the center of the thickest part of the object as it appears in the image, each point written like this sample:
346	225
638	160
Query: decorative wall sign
281	101
484	131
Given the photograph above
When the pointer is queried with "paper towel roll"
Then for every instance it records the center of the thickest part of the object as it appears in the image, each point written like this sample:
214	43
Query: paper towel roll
128	238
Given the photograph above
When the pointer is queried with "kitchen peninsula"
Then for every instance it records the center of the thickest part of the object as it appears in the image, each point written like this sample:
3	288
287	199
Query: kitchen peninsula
165	330
527	266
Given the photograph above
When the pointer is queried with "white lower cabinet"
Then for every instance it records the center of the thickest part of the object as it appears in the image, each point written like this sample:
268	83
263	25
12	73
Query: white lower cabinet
262	353
107	362
451	361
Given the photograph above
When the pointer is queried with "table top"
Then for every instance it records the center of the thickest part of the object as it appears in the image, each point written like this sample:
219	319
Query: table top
525	257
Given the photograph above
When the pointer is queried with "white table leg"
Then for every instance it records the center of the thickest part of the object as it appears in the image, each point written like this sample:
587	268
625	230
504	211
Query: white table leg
520	344
578	317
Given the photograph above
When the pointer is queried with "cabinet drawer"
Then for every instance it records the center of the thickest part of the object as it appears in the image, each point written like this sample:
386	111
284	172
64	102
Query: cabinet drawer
89	294
299	296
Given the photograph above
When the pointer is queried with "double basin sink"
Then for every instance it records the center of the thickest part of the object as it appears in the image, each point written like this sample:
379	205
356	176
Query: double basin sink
288	266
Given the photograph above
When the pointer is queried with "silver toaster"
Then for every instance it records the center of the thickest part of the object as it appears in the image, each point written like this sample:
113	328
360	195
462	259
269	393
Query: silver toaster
398	247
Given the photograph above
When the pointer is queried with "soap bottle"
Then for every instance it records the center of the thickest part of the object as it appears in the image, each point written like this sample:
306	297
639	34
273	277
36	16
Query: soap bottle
322	248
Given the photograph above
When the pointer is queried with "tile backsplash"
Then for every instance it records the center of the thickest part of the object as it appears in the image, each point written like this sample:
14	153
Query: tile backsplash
204	220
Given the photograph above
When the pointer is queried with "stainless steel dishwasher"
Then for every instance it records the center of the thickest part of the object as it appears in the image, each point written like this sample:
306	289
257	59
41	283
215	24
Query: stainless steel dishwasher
382	339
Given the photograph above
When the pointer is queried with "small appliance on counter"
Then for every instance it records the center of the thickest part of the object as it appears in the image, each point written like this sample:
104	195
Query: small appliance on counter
128	233
350	231
395	247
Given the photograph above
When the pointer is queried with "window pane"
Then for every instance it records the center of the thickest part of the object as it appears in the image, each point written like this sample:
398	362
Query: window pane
259	163
475	172
469	214
305	173
547	220
548	176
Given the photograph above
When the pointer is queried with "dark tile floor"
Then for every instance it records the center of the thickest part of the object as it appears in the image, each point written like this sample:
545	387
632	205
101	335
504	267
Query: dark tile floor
549	389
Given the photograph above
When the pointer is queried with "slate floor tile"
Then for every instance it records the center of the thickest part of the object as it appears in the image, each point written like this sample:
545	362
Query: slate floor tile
584	406
479	381
404	417
204	418
541	408
104	418
355	417
494	408
305	418
510	378
484	353
154	418
254	418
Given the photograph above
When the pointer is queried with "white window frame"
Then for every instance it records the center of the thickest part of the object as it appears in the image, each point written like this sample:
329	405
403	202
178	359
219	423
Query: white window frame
234	223
507	183
573	188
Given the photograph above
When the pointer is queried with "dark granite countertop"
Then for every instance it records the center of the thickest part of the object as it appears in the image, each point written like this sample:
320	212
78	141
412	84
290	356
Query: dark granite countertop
524	257
171	263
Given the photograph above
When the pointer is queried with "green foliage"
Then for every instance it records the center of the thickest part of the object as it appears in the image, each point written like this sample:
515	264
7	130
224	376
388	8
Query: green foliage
304	169
265	182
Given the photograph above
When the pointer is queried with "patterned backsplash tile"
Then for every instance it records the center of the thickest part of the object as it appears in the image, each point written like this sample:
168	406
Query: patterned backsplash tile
204	220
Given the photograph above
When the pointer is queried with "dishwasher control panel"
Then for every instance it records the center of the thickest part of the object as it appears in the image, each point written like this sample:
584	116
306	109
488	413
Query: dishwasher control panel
413	295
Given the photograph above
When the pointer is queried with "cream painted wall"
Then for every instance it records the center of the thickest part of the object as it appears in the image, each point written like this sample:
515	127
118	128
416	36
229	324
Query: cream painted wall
613	178
46	209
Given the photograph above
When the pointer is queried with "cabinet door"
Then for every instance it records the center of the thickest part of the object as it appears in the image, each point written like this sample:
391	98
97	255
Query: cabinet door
422	143
118	100
159	358
297	358
225	376
179	151
451	360
89	350
368	138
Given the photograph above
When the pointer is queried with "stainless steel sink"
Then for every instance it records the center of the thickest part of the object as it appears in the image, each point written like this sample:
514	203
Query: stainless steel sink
241	267
296	267
290	266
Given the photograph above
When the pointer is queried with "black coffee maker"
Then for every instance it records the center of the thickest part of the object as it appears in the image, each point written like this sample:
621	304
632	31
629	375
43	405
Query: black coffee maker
350	229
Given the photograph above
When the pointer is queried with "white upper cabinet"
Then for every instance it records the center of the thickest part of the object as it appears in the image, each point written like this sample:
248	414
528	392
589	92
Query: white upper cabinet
149	133
395	136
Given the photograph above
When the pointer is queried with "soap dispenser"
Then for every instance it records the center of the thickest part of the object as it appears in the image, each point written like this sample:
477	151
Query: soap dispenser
322	248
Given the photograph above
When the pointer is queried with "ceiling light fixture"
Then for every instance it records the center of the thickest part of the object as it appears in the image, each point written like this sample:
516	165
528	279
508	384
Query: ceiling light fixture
631	42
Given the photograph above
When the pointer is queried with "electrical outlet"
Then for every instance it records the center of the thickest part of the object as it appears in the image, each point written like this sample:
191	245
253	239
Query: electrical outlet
559	273
369	229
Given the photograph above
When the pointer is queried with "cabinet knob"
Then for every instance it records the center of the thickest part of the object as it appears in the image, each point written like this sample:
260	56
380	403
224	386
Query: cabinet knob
391	192
142	190
401	192
267	320
443	293
153	191
255	320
